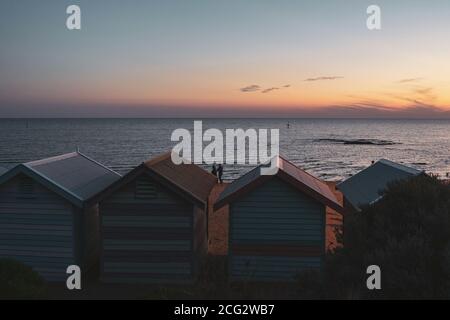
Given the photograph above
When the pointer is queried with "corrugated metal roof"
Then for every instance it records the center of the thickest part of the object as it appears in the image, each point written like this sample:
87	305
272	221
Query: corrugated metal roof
188	177
364	187
75	173
299	178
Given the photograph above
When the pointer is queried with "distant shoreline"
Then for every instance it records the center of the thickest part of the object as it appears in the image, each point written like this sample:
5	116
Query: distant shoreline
226	118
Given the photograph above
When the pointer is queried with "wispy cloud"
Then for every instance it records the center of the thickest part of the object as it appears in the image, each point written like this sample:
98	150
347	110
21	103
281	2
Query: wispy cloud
408	80
425	91
418	96
270	89
376	111
323	78
251	88
254	88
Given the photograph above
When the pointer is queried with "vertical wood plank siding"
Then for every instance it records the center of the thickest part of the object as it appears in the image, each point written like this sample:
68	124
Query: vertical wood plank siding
36	229
146	239
275	232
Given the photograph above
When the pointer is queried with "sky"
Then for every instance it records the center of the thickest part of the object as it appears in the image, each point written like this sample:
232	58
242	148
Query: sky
225	58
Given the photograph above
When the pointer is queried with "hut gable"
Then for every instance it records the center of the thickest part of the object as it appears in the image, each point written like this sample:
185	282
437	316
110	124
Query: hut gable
44	218
288	172
144	189
188	180
76	173
277	223
153	223
73	176
366	186
188	177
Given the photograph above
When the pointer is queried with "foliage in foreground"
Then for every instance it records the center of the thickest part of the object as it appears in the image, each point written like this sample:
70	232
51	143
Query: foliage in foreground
18	281
406	233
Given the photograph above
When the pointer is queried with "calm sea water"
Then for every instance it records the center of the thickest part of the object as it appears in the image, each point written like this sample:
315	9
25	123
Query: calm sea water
330	149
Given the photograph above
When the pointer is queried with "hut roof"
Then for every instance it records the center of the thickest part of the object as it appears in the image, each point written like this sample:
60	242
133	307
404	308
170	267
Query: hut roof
74	176
189	177
288	172
3	170
189	180
364	187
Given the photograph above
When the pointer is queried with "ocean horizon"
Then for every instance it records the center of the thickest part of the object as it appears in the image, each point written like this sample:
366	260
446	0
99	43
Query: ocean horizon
332	149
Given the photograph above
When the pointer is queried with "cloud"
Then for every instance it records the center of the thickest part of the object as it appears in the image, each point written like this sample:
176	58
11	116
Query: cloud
324	78
426	91
361	108
270	89
375	110
254	87
251	88
418	96
408	80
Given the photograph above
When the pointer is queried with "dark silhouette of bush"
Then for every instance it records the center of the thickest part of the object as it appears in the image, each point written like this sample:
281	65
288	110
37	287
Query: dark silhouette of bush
406	233
18	281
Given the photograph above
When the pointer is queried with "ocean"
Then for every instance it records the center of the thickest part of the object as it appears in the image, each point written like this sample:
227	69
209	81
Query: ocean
331	149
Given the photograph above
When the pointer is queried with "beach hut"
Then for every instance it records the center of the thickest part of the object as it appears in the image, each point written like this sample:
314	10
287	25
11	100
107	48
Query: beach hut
277	223
365	187
154	223
45	221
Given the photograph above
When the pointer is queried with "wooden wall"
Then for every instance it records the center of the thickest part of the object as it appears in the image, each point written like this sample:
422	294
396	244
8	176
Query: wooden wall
36	228
200	240
275	232
148	238
87	248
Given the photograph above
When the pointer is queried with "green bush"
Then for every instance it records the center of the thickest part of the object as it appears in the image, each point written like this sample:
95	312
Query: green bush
18	281
406	233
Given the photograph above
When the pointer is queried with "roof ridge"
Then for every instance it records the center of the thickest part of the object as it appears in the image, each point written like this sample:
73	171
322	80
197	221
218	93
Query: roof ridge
400	166
175	183
319	183
291	174
159	165
51	159
303	170
390	162
158	158
97	163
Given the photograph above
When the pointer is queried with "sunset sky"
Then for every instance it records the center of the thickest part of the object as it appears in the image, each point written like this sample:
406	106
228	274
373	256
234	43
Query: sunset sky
225	58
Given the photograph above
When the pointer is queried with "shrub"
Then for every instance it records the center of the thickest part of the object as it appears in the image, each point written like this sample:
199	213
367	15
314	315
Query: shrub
18	281
406	233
